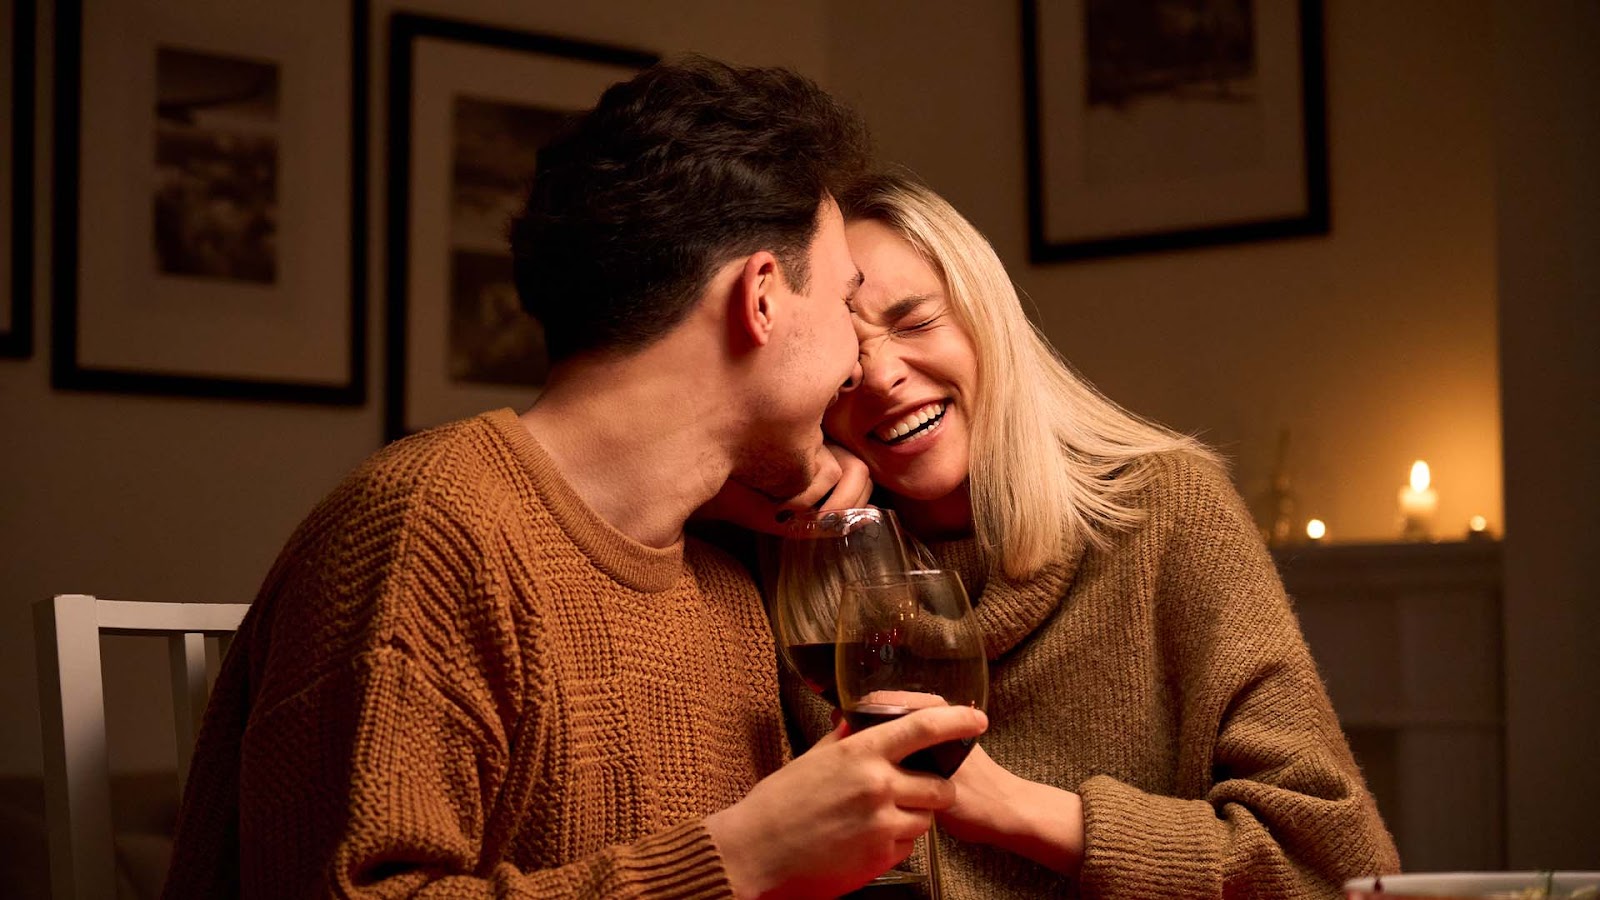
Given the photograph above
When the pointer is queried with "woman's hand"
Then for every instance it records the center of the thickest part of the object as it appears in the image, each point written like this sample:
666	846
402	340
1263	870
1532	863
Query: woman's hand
1036	821
841	482
854	486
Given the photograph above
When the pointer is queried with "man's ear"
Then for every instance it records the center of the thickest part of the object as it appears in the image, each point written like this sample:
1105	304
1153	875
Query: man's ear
755	298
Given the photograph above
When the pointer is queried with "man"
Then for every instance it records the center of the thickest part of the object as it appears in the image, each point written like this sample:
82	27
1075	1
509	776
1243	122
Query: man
489	664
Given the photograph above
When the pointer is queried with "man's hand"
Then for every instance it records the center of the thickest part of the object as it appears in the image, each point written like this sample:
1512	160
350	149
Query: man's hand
842	813
841	482
1036	821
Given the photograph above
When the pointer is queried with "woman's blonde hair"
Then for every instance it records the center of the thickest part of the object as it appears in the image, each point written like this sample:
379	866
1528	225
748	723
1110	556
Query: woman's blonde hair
1053	461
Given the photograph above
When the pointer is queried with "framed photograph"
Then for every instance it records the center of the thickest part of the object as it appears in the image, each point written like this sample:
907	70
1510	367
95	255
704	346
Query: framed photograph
469	107
16	177
210	199
1164	124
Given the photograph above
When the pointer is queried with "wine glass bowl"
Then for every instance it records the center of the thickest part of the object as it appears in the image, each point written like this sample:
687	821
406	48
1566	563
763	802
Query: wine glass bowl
821	553
904	641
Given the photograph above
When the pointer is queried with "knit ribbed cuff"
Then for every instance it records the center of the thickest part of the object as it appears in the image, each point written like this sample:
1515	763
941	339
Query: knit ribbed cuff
1145	846
682	861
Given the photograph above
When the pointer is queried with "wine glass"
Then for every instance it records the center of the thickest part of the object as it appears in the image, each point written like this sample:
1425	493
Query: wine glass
821	552
906	641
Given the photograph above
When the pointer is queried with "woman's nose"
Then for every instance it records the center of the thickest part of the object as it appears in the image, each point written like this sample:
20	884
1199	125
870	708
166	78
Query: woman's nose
881	368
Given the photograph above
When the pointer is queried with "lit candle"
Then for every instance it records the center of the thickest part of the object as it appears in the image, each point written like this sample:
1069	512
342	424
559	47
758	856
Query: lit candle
1316	529
1418	503
1477	529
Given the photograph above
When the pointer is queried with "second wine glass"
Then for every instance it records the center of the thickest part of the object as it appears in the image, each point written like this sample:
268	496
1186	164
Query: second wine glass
906	641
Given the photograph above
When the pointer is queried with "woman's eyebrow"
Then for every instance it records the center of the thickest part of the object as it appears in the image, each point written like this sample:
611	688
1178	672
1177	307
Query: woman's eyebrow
904	307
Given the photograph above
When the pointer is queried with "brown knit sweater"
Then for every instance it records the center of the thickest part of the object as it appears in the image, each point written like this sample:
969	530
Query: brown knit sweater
458	681
1165	680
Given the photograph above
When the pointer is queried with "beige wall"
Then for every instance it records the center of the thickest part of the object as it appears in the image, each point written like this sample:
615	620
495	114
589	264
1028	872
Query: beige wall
1374	345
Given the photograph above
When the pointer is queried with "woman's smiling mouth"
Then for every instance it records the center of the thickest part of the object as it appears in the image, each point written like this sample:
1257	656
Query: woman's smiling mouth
912	425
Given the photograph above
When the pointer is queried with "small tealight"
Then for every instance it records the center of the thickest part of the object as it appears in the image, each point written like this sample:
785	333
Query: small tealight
1477	529
1418	502
1316	529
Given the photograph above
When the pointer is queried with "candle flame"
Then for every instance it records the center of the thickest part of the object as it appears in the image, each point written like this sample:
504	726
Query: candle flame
1420	477
1478	523
1316	529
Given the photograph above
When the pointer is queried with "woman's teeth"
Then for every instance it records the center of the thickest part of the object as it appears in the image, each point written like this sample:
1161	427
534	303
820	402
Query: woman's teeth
916	421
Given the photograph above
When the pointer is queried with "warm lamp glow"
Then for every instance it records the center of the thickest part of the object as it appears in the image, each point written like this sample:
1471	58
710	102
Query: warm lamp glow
1478	523
1316	529
1420	476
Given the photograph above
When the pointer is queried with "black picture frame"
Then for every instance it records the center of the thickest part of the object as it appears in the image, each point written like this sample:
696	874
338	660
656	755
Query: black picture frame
16	330
419	391
1071	218
336	381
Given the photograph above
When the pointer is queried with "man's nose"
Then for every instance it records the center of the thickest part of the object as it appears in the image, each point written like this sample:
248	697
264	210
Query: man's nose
854	380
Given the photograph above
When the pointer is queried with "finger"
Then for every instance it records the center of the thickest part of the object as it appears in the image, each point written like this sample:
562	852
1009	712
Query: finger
909	825
903	851
897	739
824	477
855	484
923	792
744	507
822	503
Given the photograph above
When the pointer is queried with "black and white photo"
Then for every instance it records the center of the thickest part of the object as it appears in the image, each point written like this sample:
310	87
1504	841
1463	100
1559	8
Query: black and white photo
492	340
17	49
209	199
1171	89
1167	124
216	184
469	107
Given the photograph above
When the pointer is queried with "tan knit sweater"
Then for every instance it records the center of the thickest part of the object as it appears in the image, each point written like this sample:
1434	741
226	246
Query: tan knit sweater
1165	680
458	681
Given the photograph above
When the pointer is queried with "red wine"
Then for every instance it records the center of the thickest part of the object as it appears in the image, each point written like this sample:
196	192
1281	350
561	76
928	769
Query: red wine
940	759
814	662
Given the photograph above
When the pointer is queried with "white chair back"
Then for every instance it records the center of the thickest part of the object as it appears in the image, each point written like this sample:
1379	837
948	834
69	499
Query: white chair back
67	629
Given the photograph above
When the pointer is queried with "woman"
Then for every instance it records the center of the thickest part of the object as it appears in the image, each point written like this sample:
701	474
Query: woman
1158	727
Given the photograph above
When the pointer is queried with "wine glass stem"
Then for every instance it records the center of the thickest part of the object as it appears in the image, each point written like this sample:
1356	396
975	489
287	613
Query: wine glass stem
935	889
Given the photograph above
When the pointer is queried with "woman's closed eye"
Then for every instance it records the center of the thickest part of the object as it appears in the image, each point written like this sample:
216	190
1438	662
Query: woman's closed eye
922	325
895	331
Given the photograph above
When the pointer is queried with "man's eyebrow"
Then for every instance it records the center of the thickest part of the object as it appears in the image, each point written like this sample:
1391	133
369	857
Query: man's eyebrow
854	285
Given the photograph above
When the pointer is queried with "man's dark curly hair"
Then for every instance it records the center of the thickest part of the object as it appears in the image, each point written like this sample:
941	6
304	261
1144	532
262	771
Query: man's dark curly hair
688	166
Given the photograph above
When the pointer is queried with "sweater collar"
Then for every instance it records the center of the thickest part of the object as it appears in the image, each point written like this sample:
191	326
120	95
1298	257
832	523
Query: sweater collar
1008	610
630	563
